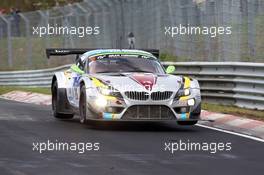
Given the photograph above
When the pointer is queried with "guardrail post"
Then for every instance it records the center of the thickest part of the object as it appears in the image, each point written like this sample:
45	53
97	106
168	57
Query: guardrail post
251	28
9	41
46	21
45	17
28	36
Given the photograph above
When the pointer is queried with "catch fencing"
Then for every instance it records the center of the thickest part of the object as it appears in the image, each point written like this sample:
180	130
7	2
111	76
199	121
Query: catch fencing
20	48
228	83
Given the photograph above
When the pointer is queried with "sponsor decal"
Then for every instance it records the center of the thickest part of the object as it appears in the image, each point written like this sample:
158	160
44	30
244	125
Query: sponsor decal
108	116
185	116
145	79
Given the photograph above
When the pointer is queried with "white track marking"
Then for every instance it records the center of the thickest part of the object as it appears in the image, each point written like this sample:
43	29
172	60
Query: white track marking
231	132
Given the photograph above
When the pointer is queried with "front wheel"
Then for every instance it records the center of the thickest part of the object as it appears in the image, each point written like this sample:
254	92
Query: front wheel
85	112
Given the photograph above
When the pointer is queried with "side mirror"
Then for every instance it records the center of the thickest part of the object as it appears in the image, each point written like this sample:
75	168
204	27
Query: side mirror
76	69
170	69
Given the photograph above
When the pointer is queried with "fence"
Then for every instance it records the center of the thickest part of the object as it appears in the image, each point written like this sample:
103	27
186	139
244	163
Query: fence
147	19
237	84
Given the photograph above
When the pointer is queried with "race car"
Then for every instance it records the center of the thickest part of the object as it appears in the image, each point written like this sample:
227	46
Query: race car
123	85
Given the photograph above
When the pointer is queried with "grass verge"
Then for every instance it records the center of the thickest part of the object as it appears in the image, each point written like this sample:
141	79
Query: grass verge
6	89
240	112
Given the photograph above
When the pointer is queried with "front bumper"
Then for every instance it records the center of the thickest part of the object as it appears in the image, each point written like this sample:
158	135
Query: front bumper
148	110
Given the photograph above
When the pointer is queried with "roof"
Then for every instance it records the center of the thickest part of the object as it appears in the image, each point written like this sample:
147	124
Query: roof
99	52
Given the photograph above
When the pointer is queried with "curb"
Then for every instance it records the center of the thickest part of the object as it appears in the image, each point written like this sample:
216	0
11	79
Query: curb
233	123
223	121
28	97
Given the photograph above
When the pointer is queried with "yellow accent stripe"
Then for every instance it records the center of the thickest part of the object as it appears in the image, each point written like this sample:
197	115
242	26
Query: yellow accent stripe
98	83
187	83
110	97
184	98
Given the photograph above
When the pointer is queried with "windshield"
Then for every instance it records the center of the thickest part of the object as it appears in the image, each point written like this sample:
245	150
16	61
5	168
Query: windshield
123	64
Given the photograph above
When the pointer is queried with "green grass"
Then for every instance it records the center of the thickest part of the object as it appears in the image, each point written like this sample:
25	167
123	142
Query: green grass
6	89
240	112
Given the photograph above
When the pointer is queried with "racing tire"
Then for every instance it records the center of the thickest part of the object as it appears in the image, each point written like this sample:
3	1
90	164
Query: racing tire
187	123
55	102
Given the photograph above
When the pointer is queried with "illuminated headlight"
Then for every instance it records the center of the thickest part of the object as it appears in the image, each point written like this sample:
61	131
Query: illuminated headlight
109	91
191	102
186	92
183	92
101	101
105	91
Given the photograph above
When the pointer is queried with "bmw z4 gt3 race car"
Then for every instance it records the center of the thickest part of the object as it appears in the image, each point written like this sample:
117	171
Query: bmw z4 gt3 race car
123	85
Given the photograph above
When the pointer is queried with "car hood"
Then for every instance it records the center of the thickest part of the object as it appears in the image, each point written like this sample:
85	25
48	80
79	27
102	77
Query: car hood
141	81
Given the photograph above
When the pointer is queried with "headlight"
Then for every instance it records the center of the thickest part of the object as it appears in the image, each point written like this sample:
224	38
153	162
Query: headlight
183	92
109	91
101	101
105	91
186	92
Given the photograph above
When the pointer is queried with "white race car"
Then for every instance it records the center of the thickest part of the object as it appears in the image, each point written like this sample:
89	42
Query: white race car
123	85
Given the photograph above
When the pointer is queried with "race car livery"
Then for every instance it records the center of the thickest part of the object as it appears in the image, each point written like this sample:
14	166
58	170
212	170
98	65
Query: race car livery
123	85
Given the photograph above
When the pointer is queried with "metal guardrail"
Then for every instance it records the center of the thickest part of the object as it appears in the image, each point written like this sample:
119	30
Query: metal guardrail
229	83
30	78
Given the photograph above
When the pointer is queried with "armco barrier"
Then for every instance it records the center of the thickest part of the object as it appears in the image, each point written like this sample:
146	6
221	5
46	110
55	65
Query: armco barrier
229	83
31	78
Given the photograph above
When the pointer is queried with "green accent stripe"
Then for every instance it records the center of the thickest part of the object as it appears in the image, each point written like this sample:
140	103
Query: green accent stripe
75	68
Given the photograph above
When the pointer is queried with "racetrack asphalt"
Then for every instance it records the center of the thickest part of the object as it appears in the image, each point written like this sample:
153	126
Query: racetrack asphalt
125	148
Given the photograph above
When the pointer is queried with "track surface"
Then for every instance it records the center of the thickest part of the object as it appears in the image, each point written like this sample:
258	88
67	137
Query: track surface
125	148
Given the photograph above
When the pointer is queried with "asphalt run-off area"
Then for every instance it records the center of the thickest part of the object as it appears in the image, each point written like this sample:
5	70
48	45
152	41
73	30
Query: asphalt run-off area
125	148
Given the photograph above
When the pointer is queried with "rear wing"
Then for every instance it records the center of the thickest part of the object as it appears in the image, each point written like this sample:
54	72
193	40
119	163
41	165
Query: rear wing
63	52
